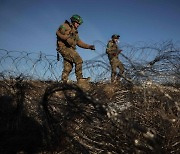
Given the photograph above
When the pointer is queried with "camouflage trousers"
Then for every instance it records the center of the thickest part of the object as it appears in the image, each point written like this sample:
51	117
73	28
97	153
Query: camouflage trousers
71	57
116	64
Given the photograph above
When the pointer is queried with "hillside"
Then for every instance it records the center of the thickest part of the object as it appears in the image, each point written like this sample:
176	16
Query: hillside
45	116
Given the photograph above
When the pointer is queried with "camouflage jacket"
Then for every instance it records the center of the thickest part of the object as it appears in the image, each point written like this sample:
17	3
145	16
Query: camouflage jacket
67	36
112	49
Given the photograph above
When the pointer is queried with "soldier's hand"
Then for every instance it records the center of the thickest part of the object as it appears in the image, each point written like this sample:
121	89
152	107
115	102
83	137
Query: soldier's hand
92	47
70	41
120	51
114	54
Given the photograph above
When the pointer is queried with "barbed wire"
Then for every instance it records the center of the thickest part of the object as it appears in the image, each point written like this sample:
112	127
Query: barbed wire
156	62
50	116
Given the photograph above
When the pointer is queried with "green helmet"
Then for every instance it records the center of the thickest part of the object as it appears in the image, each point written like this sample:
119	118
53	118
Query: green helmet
115	36
76	18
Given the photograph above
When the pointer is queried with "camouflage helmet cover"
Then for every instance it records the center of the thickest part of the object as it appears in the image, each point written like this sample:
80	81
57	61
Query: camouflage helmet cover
76	18
115	36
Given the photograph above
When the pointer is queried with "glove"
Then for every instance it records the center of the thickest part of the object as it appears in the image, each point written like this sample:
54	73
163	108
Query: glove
92	47
70	41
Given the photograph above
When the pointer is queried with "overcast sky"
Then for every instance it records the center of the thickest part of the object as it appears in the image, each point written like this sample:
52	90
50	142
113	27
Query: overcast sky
30	25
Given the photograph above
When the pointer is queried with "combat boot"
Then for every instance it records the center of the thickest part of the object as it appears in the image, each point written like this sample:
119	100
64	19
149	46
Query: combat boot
84	79
124	77
66	81
84	83
88	79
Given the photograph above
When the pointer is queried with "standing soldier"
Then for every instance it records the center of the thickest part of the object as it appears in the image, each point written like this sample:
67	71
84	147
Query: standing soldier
67	39
113	51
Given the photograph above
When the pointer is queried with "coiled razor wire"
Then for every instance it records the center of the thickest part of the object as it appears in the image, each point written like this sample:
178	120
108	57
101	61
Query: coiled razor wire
154	62
50	116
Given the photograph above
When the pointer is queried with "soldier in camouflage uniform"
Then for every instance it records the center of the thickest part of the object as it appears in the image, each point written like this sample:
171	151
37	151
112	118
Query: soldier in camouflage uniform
67	39
113	51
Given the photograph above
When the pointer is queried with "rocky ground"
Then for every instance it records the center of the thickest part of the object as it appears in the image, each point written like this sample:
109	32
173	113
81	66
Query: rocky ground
52	117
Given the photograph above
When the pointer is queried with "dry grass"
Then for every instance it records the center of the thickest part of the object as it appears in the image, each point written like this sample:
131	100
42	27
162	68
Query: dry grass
44	117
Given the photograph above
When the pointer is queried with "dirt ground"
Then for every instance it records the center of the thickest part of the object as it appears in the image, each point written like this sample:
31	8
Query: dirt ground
47	116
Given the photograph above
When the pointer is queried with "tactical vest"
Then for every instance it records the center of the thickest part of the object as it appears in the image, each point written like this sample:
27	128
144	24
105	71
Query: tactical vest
111	47
71	32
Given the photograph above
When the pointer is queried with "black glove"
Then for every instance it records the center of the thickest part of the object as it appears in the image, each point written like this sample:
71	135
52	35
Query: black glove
92	47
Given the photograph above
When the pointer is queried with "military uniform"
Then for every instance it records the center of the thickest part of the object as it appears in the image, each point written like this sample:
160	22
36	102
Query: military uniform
67	39
113	51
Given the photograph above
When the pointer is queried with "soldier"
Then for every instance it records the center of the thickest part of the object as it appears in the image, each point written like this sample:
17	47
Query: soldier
67	39
113	51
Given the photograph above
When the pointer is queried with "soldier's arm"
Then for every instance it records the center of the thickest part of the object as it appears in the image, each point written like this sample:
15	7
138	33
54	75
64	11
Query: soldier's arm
119	51
61	33
83	45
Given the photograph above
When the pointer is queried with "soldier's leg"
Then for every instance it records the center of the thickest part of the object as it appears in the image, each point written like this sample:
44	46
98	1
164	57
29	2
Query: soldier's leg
121	67
67	69
68	63
77	60
113	71
78	66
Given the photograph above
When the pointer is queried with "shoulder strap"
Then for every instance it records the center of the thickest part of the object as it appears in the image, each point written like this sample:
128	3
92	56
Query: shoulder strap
67	22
